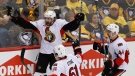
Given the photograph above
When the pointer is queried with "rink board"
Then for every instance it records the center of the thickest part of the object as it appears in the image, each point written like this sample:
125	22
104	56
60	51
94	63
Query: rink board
92	64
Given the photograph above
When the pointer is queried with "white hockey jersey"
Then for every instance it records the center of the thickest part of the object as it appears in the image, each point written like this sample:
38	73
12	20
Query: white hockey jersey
67	67
118	48
51	34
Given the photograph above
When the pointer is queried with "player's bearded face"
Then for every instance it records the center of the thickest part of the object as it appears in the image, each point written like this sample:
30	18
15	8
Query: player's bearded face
49	21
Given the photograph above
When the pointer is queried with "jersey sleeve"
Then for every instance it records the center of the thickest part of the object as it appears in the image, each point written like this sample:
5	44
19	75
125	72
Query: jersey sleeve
57	69
37	23
79	58
122	53
61	23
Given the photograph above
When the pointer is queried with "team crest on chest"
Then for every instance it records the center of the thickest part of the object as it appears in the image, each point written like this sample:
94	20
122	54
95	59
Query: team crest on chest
49	36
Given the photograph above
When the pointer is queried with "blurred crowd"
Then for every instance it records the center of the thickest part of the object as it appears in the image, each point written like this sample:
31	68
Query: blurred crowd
121	12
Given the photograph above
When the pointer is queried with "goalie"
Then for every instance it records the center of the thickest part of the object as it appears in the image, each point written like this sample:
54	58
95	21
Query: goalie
118	52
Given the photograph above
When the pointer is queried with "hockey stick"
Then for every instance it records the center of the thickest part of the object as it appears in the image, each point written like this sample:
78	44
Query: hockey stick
22	60
100	26
80	25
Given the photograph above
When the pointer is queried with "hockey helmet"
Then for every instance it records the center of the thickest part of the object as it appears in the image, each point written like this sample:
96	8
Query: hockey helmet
113	28
60	50
50	14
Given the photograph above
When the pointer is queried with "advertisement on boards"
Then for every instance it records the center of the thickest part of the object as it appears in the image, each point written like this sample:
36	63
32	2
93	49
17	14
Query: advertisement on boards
92	64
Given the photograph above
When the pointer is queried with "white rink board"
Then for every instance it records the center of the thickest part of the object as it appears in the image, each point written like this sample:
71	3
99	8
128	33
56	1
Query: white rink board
16	70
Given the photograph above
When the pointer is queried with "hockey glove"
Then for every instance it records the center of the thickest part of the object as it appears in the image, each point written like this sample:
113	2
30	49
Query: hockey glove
99	47
79	16
76	47
96	45
12	12
108	65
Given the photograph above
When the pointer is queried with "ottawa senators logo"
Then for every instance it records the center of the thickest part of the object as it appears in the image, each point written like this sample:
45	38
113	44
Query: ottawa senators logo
50	37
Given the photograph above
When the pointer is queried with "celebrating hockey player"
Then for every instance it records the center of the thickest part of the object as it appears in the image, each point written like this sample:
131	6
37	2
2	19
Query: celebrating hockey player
49	28
118	52
67	64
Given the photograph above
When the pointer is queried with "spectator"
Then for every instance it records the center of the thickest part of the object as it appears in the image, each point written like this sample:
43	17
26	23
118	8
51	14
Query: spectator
31	13
128	7
4	38
104	6
113	17
132	29
14	32
3	2
75	6
91	31
61	9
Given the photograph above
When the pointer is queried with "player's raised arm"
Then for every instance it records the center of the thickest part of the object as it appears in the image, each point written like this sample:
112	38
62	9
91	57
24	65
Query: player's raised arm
17	19
76	47
77	50
73	25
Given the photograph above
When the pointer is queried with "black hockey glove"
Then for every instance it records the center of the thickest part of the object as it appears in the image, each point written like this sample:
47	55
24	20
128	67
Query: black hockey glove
76	47
96	46
8	10
12	12
108	65
99	47
58	12
79	16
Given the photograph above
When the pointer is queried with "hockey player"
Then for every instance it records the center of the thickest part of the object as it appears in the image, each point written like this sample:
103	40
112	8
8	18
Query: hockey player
49	28
118	51
67	64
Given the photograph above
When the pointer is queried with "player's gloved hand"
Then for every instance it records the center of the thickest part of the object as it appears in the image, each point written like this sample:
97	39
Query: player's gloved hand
79	16
12	12
75	43
108	65
100	48
96	46
76	47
